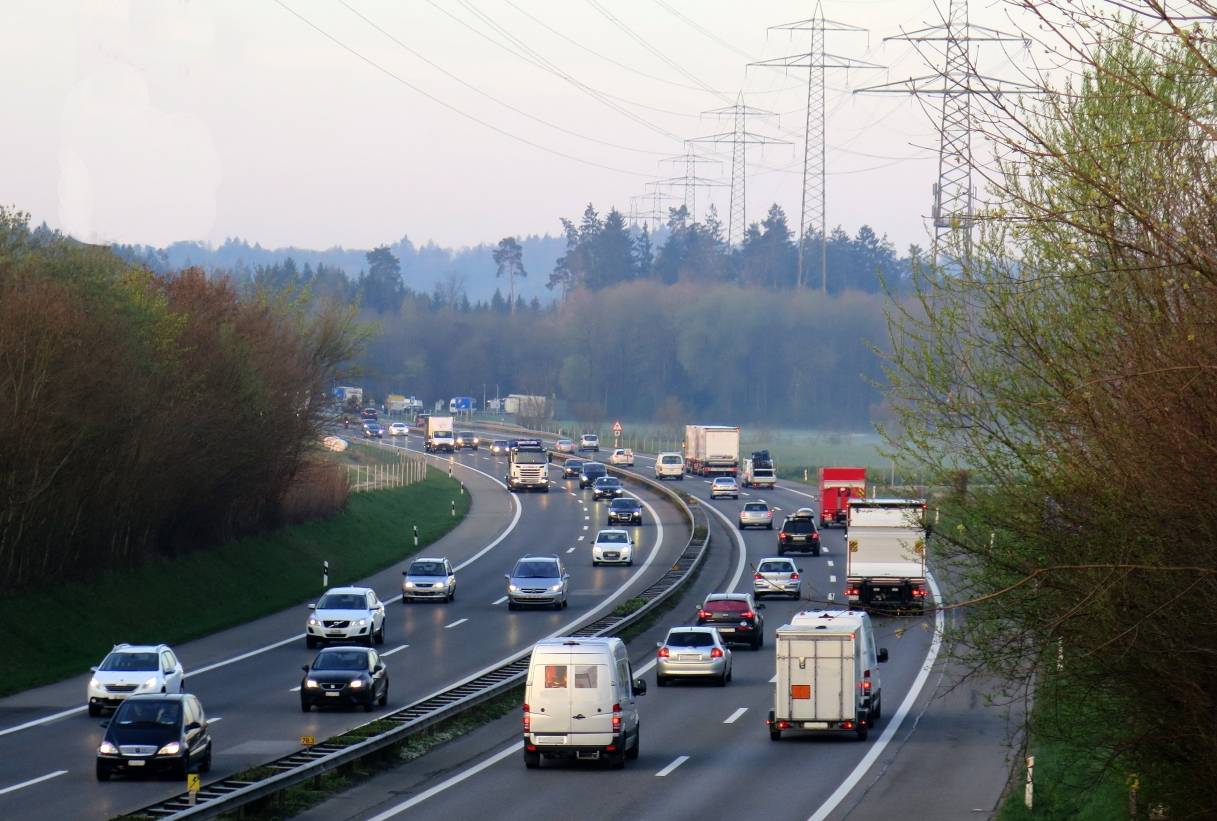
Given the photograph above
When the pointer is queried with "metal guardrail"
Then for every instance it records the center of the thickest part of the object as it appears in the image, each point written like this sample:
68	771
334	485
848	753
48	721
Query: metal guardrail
229	794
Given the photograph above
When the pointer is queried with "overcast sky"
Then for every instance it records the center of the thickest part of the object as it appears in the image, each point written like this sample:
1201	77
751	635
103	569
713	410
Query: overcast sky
158	121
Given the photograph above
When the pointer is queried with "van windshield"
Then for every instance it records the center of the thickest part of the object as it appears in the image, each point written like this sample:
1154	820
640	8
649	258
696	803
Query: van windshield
669	460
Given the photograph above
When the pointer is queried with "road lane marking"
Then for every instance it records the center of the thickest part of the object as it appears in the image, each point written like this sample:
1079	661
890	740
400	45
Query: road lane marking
829	562
295	689
451	782
731	719
32	782
774	680
572	550
456	623
893	725
745	494
394	650
215	719
739	543
53	717
585	527
580	538
832	579
499	600
680	759
587	518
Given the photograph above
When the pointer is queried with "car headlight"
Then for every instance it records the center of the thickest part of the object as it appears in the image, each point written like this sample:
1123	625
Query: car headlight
313	622
555	587
150	683
107	748
511	588
356	683
311	684
95	684
362	623
409	585
172	748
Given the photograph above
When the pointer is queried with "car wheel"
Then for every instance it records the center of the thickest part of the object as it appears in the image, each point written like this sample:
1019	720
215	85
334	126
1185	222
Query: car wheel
878	714
816	552
305	706
103	772
595	563
758	643
310	642
722	680
511	605
630	563
863	732
661	681
730	673
181	685
617	760
94	710
452	595
205	764
384	696
632	752
532	759
558	605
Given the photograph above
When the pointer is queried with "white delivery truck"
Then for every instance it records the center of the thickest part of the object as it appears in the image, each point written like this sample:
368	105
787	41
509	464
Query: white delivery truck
758	475
439	435
528	466
579	702
885	554
827	674
712	449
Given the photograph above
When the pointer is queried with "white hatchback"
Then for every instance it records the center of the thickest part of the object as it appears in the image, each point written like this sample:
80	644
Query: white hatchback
346	614
398	429
612	546
622	456
131	669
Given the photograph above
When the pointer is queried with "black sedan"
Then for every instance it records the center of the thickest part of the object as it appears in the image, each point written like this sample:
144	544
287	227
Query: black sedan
590	472
347	676
373	430
625	509
607	487
155	734
571	468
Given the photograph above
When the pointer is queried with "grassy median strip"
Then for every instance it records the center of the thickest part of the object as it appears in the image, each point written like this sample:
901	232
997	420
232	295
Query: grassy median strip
61	632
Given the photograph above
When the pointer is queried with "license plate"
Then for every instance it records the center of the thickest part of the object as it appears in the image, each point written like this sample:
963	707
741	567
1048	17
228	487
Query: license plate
726	629
551	739
689	657
135	762
815	725
332	695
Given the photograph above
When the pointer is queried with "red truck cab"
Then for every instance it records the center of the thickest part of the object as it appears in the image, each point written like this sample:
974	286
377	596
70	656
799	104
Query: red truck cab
837	487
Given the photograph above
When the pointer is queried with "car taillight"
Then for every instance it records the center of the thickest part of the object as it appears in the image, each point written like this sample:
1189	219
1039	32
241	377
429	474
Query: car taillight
851	591
527	719
783	536
919	592
616	718
664	653
747	614
704	614
815	537
758	576
794	577
866	683
716	653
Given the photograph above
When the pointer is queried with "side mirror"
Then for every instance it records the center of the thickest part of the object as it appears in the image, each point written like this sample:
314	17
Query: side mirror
659	644
882	654
312	606
92	669
507	576
380	667
194	725
640	687
760	607
799	569
405	573
304	667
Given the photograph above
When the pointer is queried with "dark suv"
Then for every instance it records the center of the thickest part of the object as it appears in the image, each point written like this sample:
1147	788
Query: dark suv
799	534
155	734
590	472
737	617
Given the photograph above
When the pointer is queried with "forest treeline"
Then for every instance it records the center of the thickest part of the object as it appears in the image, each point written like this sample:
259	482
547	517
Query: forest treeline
145	414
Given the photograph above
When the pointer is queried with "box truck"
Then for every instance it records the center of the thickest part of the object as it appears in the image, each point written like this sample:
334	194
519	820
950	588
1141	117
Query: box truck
837	487
439	435
712	450
885	554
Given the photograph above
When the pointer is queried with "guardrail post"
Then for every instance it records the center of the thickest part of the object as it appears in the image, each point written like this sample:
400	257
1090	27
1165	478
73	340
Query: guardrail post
325	575
416	536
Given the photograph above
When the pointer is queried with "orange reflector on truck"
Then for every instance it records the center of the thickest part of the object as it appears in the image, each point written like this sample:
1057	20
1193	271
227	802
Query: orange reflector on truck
800	691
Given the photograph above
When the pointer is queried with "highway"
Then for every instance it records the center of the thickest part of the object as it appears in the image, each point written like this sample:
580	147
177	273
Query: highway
705	751
245	676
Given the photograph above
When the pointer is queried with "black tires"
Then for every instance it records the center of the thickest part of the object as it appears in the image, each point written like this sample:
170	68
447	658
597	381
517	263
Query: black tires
511	605
305	706
310	642
94	710
532	759
103	772
452	595
632	752
863	731
384	697
774	733
380	634
661	681
769	526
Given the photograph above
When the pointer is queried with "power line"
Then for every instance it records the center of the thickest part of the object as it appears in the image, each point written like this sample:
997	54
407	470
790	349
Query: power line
704	31
447	105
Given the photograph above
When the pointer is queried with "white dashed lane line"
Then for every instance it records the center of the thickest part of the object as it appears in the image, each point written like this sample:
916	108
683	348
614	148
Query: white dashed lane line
456	623
829	562
832	579
680	759
572	550
394	650
731	719
32	782
499	600
774	679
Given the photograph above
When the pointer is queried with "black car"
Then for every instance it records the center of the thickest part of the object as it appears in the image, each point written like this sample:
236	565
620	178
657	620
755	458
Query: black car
155	734
345	676
799	534
467	439
369	413
607	487
625	509
373	430
737	617
571	468
590	472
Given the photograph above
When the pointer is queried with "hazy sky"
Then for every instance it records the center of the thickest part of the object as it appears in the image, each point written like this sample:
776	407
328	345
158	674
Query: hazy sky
158	121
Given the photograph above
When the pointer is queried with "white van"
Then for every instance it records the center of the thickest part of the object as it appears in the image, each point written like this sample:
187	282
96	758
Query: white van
579	702
669	465
827	674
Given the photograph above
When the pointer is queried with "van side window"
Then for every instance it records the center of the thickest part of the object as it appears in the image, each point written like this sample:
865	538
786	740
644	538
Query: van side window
555	677
624	683
585	677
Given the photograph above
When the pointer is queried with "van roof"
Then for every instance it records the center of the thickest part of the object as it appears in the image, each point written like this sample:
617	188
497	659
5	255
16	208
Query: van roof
568	644
844	618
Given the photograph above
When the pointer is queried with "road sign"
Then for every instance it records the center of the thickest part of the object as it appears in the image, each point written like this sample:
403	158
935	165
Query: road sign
617	427
307	740
194	783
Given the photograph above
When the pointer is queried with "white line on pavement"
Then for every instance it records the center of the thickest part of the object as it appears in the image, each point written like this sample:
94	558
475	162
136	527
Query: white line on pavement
32	781
394	650
680	759
731	719
499	600
585	527
829	562
214	719
832	579
295	689
739	543
456	623
451	782
774	679
580	538
572	550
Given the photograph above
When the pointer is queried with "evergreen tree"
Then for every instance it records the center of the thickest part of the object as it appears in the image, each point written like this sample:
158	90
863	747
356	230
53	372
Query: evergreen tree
509	257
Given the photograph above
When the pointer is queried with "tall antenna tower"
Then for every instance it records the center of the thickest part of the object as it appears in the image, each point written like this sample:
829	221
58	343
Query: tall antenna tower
815	192
689	180
957	82
740	138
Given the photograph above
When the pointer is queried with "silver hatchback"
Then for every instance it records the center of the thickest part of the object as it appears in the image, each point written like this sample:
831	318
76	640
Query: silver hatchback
777	577
429	579
695	653
756	514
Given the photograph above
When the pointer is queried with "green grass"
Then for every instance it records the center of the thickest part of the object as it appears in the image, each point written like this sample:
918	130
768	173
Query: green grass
361	452
173	601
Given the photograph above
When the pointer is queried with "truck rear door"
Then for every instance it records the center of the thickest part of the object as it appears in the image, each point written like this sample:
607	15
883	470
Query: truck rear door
549	699
820	672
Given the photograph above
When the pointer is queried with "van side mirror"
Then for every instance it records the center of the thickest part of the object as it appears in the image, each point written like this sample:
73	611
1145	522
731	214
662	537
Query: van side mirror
760	606
92	669
640	687
882	654
312	606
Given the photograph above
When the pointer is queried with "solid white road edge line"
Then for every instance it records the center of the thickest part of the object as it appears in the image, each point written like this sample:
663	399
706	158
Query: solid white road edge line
499	600
731	719
893	726
680	759
451	782
394	650
32	782
739	543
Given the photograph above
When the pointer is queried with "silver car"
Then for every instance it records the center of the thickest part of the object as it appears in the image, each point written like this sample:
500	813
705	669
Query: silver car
724	486
429	579
777	577
538	580
756	514
693	652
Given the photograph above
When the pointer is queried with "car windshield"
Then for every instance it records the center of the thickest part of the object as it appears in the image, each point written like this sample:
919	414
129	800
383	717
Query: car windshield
466	434
593	469
564	442
500	443
726	606
120	662
341	660
608	481
530	457
427	569
574	464
612	538
147	712
798	526
757	506
691	638
776	567
669	460
623	504
589	437
536	570
342	601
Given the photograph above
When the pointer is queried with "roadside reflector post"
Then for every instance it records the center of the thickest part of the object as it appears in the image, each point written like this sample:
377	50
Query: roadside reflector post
1029	790
325	575
454	508
804	474
416	535
193	785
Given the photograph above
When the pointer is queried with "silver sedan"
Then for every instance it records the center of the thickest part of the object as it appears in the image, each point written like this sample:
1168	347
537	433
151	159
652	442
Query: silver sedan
756	514
777	577
693	652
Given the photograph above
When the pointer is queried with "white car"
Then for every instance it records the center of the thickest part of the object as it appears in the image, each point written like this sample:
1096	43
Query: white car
589	441
428	579
398	429
622	456
131	669
346	614
670	466
612	546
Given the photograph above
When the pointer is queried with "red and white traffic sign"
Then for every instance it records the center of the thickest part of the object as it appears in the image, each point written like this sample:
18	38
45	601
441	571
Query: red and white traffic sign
617	426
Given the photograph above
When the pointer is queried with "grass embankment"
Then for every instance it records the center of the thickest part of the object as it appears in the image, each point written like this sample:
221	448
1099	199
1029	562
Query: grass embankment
176	600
